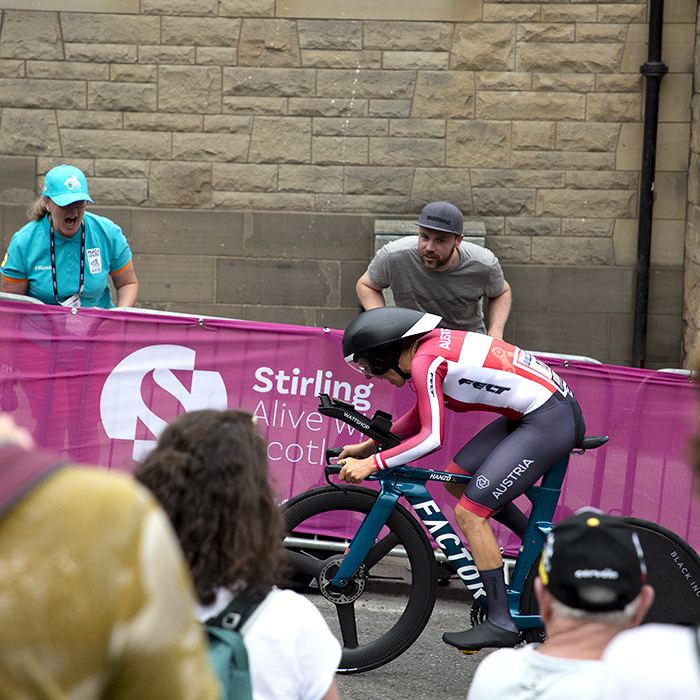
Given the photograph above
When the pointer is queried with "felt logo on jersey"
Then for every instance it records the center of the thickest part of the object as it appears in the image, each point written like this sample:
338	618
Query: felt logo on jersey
431	384
514	475
124	413
482	482
493	388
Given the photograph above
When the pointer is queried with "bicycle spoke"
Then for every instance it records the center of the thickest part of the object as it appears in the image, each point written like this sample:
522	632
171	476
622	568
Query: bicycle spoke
380	549
305	563
348	626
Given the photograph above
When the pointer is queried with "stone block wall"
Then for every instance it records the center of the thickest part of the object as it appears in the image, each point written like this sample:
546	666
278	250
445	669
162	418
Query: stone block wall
692	248
248	146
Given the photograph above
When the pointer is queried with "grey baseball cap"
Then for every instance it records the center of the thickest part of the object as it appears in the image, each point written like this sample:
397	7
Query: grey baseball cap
442	216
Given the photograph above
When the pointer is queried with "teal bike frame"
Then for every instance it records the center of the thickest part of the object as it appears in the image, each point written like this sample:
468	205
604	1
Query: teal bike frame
411	483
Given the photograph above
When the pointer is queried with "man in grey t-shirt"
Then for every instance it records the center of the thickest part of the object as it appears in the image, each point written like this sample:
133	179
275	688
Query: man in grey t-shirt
439	273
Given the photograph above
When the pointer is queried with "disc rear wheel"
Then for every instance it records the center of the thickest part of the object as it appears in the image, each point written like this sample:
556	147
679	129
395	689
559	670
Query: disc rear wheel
673	570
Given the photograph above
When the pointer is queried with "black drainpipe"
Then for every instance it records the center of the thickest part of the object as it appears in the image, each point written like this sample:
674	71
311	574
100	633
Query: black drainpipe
653	70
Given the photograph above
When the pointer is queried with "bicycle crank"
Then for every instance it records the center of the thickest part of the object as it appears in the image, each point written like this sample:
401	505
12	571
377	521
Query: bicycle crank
341	595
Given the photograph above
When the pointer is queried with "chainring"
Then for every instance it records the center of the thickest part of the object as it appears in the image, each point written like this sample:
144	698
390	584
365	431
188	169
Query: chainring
348	593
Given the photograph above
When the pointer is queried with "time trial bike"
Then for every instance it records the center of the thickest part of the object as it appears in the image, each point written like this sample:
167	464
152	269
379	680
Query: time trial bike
382	543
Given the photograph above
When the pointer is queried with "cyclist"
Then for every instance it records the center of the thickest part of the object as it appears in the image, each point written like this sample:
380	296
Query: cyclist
540	423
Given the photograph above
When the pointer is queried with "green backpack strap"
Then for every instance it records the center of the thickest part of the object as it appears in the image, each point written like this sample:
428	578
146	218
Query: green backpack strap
237	612
227	650
229	658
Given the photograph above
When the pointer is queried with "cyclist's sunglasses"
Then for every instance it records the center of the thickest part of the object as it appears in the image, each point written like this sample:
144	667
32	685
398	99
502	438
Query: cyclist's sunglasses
365	366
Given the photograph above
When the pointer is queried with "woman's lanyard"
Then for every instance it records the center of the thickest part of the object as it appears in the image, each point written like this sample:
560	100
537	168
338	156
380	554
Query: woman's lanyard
75	299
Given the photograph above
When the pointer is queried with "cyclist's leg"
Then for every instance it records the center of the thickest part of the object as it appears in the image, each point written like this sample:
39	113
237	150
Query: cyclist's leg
499	628
482	541
514	465
472	456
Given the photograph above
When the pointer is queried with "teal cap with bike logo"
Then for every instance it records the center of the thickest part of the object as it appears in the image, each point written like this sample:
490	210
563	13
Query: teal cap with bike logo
66	184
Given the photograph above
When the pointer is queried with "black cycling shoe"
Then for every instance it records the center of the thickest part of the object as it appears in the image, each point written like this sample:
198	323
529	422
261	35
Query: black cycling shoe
482	636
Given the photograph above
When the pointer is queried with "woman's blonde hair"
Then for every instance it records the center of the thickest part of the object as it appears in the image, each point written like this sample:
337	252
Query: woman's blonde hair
38	210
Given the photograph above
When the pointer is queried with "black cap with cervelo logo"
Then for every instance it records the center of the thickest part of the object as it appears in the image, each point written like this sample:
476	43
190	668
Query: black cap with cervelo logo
442	216
593	562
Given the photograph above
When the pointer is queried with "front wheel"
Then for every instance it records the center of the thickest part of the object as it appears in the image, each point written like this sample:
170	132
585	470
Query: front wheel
400	567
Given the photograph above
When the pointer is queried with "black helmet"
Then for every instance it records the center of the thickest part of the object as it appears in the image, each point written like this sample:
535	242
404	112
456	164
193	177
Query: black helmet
378	337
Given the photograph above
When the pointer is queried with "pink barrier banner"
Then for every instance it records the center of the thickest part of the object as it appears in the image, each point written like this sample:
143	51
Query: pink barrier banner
100	386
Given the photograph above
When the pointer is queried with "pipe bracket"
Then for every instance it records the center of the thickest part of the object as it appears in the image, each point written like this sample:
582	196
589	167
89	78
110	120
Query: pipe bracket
653	69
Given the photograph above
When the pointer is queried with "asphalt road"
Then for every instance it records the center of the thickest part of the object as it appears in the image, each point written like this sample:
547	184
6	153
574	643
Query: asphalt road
429	670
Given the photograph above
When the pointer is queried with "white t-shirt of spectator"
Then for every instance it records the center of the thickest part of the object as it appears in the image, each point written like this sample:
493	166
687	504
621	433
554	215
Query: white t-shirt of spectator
652	662
525	674
292	653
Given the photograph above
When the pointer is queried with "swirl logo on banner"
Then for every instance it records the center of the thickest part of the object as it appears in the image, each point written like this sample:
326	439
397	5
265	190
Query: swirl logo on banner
122	406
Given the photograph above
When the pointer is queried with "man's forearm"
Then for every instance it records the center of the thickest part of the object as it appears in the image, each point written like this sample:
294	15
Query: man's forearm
370	297
498	310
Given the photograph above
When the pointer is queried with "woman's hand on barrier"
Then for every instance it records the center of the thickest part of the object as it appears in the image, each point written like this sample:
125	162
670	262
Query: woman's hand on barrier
10	432
358	451
355	470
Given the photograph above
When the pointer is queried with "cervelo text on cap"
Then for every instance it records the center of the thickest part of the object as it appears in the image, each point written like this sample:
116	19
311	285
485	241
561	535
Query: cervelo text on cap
66	184
442	216
593	562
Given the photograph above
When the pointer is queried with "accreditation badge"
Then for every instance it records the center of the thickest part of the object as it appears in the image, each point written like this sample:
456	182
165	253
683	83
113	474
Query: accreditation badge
94	260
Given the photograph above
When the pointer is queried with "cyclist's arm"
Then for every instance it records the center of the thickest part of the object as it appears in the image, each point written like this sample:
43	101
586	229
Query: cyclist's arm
360	450
427	372
408	425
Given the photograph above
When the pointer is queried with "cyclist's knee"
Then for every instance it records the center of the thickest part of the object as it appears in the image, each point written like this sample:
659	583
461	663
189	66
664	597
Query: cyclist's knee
466	518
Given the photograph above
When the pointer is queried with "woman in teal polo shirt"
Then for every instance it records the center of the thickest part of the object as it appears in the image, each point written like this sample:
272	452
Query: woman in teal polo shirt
65	254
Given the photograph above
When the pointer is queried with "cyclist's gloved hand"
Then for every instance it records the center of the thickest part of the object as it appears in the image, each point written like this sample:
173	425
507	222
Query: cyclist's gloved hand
355	470
359	451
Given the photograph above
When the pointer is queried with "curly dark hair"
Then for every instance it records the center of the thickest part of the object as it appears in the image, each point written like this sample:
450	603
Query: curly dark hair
209	471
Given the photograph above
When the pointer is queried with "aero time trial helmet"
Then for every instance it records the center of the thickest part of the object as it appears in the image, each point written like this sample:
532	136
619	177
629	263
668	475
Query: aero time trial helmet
373	342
